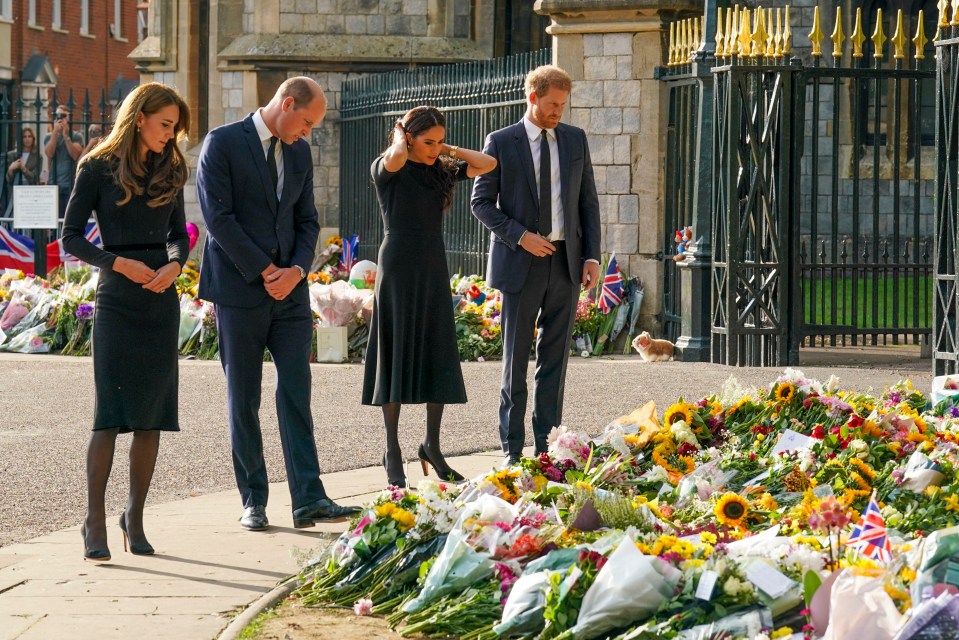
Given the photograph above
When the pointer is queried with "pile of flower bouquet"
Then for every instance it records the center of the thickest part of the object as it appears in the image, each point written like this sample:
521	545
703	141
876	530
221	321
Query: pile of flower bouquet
799	510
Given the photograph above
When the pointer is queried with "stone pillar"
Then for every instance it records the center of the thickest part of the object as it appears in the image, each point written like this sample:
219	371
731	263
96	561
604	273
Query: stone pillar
612	48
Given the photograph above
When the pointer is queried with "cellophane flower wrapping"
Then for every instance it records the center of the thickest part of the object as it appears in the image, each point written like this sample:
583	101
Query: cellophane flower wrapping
933	619
337	304
628	588
860	609
523	611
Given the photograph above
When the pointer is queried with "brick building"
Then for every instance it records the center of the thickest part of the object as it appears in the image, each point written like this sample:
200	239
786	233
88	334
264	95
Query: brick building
65	45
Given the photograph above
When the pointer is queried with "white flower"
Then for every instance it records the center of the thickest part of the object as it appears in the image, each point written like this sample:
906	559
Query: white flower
656	474
682	433
733	586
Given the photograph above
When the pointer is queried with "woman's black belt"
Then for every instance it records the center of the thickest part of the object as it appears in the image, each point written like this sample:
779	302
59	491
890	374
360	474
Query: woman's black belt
149	246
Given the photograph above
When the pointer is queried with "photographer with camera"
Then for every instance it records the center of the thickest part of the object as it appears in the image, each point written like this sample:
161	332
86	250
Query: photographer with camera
62	147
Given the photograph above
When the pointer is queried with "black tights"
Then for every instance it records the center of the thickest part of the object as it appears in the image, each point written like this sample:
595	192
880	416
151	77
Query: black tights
394	457
143	457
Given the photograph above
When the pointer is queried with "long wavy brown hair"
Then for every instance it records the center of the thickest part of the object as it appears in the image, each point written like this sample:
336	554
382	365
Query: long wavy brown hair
418	120
161	175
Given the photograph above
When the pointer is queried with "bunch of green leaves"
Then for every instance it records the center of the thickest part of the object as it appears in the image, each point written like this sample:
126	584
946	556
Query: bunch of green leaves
467	614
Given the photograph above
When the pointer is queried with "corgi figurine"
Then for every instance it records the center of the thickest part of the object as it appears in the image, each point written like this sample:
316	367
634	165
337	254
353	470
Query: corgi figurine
653	350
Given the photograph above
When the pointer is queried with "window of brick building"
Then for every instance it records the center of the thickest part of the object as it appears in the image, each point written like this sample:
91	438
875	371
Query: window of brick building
32	13
85	16
56	20
6	9
116	26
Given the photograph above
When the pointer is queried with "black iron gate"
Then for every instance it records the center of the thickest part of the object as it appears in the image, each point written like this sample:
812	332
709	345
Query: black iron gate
821	223
946	306
477	97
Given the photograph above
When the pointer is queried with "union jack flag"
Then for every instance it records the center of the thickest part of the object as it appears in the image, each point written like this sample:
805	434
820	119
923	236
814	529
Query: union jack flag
56	255
612	292
350	248
16	251
869	535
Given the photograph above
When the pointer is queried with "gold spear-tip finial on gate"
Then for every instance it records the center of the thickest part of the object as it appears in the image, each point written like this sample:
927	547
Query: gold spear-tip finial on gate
720	38
778	38
671	60
759	33
682	44
943	6
857	37
920	40
745	36
816	35
787	34
770	34
878	37
837	36
732	31
955	13
899	39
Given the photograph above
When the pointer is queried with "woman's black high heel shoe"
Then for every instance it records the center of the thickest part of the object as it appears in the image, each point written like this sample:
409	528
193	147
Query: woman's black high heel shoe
394	482
145	549
444	472
93	555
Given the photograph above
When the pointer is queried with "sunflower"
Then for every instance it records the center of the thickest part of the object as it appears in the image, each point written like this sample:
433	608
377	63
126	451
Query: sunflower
785	392
679	411
731	510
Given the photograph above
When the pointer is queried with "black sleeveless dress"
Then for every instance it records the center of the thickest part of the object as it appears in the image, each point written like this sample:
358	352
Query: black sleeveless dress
134	330
412	356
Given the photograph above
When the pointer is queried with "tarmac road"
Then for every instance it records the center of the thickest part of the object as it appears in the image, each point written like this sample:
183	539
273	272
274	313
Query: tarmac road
47	406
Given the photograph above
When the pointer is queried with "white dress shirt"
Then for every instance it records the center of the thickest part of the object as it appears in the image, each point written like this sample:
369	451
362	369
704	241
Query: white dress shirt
264	132
534	133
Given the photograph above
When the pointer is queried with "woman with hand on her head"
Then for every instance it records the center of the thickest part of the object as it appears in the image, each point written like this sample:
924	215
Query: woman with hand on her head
412	356
133	183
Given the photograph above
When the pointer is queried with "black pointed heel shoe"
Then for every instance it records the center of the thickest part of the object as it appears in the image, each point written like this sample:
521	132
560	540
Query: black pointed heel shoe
443	471
92	555
137	549
398	481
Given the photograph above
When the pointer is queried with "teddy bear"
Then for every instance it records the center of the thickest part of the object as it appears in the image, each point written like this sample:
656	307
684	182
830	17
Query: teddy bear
682	238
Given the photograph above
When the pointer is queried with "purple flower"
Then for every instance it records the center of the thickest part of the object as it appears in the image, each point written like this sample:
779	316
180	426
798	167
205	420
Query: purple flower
84	311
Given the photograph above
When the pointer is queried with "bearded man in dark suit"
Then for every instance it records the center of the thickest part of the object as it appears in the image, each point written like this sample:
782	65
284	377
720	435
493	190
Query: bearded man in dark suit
541	208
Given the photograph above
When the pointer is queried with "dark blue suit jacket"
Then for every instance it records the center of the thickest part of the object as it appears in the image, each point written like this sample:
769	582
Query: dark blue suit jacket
506	200
246	228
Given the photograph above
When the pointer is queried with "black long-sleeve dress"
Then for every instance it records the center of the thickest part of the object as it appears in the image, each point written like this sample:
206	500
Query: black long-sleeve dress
134	329
412	356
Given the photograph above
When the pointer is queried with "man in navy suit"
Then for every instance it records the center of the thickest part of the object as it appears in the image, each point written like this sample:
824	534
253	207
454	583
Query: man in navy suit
541	207
255	186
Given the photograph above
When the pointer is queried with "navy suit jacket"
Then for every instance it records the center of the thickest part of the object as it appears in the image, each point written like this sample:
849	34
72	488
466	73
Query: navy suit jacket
247	229
506	200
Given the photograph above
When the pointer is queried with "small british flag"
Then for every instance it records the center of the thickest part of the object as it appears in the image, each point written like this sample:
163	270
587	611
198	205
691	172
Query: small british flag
869	535
16	251
612	292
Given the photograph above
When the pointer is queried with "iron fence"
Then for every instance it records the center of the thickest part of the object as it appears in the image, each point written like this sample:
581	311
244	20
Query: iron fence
822	223
477	98
36	113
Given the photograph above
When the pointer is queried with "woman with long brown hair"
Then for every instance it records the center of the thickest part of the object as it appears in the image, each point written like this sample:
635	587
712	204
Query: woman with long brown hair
132	182
412	356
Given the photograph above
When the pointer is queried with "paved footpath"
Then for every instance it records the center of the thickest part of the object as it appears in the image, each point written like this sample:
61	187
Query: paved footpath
206	568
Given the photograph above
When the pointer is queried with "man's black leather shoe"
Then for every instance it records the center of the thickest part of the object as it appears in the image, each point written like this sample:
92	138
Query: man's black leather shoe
254	518
510	460
323	510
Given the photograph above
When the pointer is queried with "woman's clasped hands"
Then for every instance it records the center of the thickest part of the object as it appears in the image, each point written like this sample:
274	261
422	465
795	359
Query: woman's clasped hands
155	280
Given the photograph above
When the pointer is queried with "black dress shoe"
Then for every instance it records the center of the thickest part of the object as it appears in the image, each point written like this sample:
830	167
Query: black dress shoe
136	548
254	518
510	460
443	471
90	554
323	510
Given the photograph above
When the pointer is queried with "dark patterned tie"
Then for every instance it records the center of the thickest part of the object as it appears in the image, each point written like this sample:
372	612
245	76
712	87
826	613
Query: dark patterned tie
545	188
271	164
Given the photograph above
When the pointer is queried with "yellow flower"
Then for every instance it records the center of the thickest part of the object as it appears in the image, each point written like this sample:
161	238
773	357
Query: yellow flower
385	509
781	632
731	510
784	392
337	240
952	502
864	468
583	485
707	537
766	502
907	574
679	411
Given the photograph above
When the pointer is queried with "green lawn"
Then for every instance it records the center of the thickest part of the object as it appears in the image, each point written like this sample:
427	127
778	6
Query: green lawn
895	301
